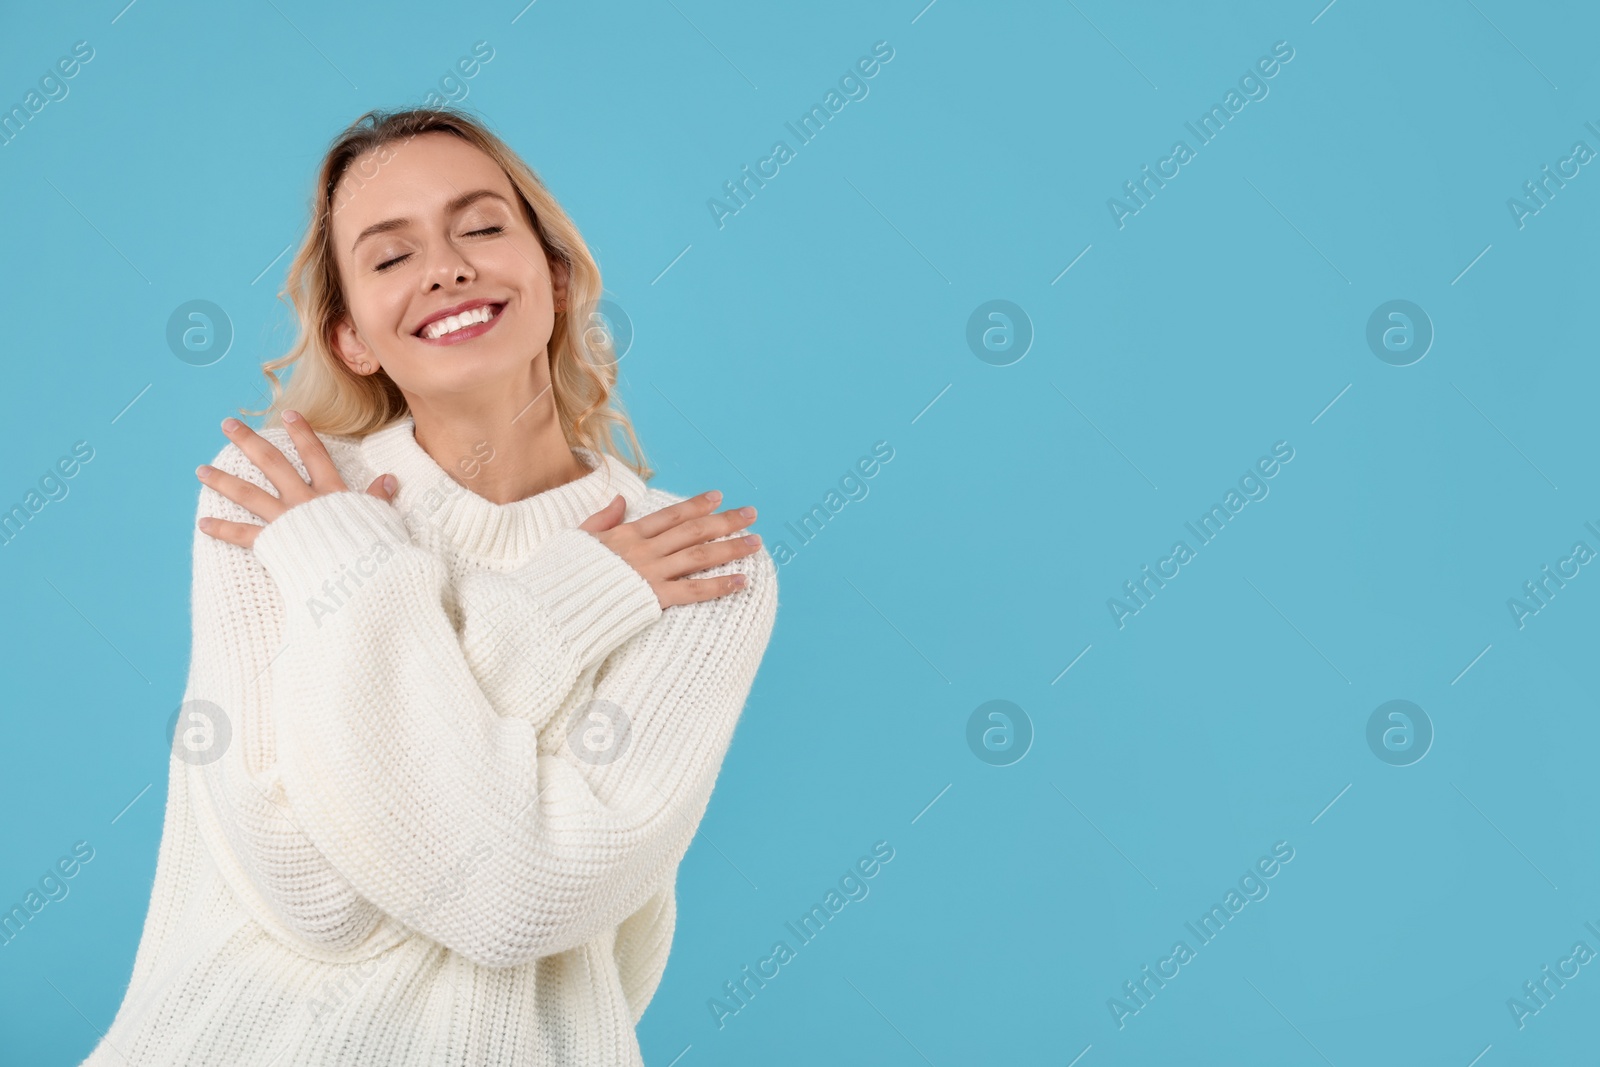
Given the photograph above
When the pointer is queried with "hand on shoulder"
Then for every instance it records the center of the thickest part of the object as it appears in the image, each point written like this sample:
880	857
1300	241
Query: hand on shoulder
268	454
683	537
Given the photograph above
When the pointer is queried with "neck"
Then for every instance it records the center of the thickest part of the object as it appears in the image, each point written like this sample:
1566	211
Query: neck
503	450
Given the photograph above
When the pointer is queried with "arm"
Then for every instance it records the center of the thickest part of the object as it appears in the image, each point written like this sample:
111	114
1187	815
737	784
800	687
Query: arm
227	740
648	732
225	750
393	758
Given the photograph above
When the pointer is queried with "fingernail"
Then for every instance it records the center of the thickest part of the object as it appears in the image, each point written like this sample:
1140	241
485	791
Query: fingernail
747	513
738	580
291	416
230	424
388	483
715	496
203	470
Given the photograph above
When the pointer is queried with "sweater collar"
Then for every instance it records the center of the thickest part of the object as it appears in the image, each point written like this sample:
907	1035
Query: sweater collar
478	526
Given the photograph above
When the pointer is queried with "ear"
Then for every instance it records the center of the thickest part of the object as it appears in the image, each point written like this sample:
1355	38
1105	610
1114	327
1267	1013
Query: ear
350	349
559	275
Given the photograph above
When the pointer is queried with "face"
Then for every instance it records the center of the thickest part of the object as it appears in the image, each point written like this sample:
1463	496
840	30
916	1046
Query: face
426	226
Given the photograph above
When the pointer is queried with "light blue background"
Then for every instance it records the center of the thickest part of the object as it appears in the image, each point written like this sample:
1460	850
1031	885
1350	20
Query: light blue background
829	314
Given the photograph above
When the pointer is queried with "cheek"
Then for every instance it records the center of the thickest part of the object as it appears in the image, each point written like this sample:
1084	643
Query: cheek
376	314
521	263
381	306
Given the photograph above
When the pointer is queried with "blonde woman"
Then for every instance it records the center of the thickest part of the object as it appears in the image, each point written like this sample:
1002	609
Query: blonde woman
461	682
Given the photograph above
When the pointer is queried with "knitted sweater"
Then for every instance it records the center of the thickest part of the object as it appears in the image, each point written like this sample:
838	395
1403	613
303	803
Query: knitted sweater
437	764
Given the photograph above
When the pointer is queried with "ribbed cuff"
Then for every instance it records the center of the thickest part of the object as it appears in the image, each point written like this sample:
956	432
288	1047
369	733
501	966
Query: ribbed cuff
324	550
596	600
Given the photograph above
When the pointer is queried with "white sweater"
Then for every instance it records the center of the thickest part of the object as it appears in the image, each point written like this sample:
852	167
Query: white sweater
438	762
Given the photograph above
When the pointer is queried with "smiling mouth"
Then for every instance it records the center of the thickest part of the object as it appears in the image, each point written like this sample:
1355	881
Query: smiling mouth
467	323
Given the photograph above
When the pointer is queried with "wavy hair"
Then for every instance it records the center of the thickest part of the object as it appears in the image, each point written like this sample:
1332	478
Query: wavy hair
334	400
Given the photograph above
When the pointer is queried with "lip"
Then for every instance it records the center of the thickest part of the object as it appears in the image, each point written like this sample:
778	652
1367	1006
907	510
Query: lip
460	335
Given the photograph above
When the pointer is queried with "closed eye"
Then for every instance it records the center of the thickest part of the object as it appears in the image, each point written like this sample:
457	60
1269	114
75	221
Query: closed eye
399	259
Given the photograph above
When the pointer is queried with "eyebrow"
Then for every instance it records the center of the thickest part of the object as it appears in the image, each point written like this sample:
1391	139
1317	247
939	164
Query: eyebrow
462	201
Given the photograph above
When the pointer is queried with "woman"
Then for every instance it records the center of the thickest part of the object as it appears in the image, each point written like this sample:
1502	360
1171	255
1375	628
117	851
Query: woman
445	740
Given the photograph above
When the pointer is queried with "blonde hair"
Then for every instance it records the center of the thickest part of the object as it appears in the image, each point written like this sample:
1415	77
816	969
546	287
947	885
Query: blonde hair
334	400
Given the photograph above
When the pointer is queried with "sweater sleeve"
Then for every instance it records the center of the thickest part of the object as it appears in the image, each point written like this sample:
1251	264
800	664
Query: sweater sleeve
641	740
223	747
393	758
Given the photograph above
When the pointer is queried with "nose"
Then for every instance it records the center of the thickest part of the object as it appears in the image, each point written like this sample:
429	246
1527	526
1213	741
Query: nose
448	267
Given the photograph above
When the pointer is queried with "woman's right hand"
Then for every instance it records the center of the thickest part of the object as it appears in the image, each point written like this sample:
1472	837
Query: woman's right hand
667	544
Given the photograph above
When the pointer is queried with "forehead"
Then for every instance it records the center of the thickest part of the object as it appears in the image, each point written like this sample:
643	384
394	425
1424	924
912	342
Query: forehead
411	179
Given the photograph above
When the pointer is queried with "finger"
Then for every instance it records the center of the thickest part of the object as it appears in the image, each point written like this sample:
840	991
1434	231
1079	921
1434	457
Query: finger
606	517
381	487
654	523
710	554
696	590
696	531
254	499
325	477
269	459
242	534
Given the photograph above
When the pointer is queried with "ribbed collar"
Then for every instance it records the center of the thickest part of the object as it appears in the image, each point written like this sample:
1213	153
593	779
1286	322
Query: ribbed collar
477	526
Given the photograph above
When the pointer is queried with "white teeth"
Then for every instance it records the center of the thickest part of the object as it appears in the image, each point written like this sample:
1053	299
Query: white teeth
452	323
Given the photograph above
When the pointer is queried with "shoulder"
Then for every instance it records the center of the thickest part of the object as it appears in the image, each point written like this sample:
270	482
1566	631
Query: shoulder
343	449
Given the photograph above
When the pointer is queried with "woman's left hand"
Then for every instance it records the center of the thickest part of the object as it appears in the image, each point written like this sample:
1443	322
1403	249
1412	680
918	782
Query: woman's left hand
292	489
